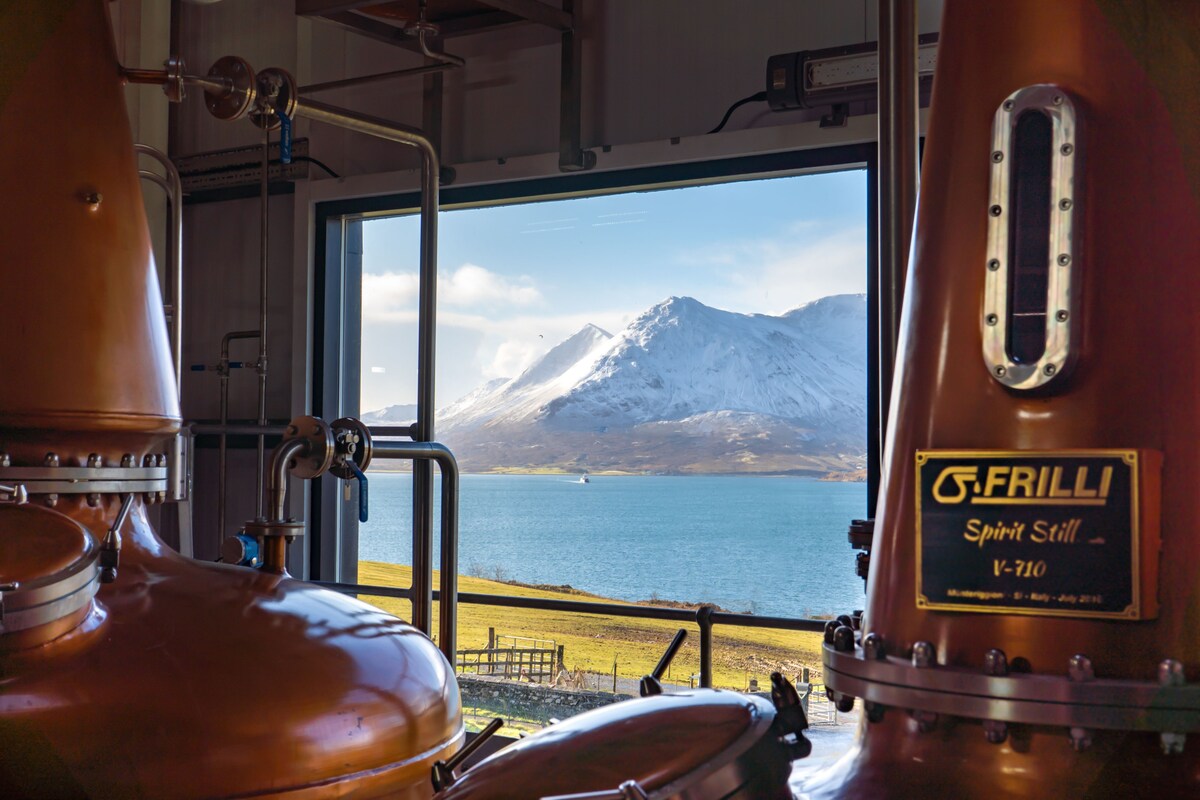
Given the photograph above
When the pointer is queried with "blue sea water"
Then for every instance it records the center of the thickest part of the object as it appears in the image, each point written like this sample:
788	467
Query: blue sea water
771	546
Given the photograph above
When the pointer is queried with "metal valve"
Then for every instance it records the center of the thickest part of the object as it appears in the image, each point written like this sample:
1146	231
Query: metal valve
352	456
110	548
790	719
651	684
443	771
17	495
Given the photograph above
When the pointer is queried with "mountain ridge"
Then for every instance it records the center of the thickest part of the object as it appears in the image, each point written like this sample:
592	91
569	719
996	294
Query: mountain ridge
683	388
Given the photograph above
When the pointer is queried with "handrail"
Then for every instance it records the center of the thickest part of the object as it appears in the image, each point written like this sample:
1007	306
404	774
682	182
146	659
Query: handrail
422	600
704	617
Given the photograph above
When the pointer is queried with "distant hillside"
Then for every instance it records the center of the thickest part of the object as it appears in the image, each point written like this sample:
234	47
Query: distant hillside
684	388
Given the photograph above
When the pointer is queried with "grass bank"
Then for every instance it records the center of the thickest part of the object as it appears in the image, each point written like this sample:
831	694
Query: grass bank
593	641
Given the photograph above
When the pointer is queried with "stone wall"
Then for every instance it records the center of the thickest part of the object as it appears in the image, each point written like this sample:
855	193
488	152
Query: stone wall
528	701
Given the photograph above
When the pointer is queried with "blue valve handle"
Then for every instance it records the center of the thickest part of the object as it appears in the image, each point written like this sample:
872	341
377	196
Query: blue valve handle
362	489
285	139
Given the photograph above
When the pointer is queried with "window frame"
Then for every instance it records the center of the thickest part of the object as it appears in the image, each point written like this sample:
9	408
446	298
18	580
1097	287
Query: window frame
336	333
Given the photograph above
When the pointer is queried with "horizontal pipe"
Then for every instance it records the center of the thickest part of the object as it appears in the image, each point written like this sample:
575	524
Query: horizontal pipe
363	80
236	429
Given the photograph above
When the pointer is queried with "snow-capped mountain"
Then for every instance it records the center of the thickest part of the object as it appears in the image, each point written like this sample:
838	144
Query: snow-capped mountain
683	388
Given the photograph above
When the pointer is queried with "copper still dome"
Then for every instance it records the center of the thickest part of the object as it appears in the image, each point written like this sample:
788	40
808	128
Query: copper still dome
177	678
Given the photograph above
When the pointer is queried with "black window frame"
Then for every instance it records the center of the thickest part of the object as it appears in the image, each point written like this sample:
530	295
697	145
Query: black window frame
335	346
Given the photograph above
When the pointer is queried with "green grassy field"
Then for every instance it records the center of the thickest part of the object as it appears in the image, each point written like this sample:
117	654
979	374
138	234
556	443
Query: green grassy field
593	641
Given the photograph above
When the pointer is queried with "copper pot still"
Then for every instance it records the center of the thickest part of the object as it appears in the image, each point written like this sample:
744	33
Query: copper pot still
127	670
1030	628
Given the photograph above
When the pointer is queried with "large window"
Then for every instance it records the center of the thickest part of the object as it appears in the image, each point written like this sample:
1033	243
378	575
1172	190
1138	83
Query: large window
655	397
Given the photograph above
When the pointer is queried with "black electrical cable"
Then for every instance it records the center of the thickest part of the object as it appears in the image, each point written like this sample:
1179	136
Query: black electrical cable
754	98
315	162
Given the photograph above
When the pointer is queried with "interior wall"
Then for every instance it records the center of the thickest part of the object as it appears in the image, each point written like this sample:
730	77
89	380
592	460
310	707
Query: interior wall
652	71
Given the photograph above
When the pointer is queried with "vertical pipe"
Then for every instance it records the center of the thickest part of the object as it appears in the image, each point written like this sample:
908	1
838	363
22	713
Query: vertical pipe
174	190
422	586
448	584
262	315
704	620
898	175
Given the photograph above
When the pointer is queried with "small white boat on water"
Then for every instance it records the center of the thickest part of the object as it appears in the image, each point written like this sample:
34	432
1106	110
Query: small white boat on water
584	478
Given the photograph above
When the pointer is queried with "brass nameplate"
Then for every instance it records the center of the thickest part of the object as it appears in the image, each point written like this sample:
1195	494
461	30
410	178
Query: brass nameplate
1051	533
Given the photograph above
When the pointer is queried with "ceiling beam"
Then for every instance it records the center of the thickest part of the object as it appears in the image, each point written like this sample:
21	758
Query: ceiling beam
320	8
534	11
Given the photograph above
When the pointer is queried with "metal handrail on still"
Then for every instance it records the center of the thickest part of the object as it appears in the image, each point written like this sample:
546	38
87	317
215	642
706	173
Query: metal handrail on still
704	617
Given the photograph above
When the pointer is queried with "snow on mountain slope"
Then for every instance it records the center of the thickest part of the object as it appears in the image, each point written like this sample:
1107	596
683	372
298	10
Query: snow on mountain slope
684	387
682	358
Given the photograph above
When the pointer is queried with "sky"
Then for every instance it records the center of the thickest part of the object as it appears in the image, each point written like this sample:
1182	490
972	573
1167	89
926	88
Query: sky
513	281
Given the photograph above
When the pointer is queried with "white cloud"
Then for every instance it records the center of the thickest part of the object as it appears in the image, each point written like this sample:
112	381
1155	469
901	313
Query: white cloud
392	296
777	274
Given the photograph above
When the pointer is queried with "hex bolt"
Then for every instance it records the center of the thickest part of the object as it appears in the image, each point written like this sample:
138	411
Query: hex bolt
93	499
991	319
1064	259
94	461
93	199
994	264
1049	369
1172	743
148	460
5	460
873	647
1081	739
995	730
1008	105
1000	371
997	156
1065	204
845	703
830	626
161	460
291	430
830	694
1057	100
1170	673
51	460
52	499
995	663
845	619
995	210
924	654
843	639
128	460
926	720
1067	149
875	711
1080	670
1062	316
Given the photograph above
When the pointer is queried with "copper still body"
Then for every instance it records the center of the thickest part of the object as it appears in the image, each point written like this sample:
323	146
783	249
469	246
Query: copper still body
127	670
1024	692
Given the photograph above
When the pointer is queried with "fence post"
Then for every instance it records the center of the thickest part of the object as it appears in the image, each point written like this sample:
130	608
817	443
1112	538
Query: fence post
562	662
614	674
491	646
704	620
